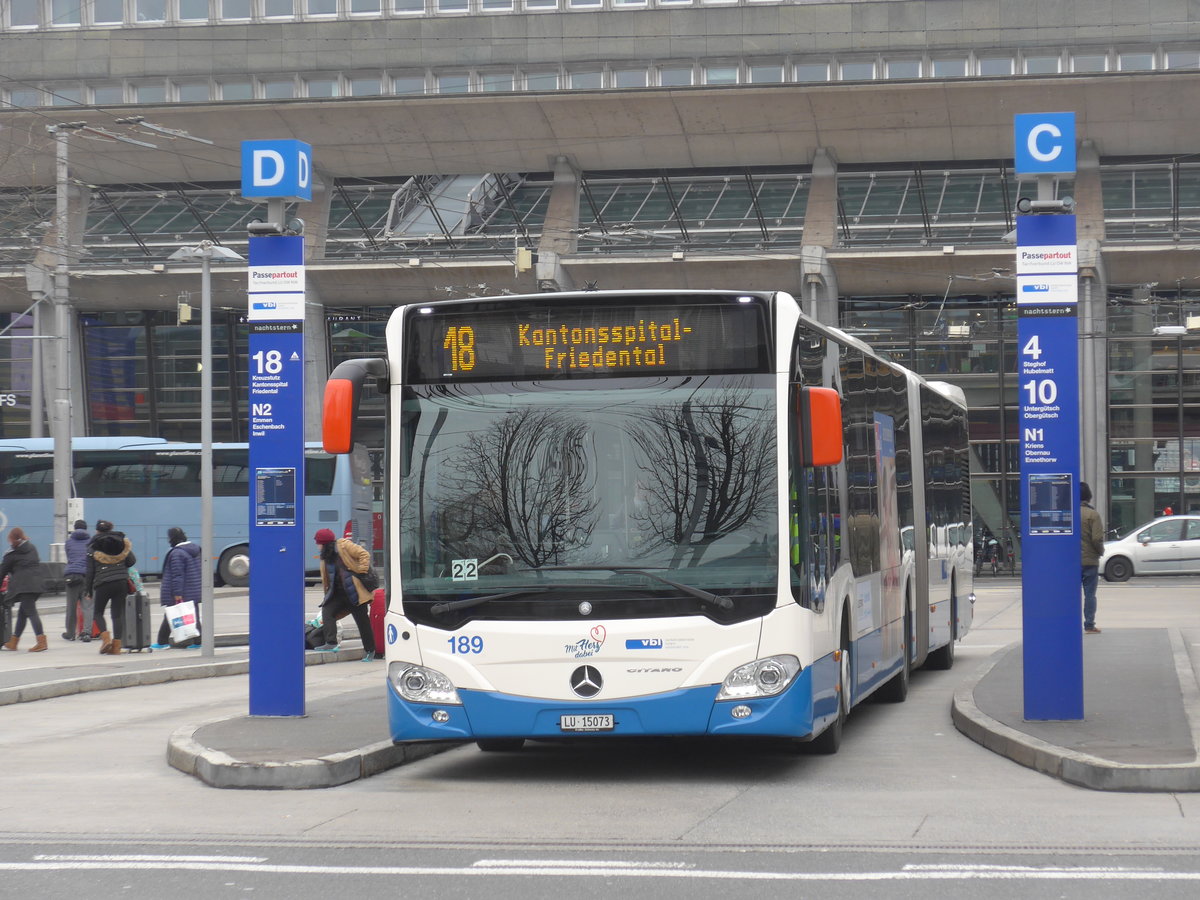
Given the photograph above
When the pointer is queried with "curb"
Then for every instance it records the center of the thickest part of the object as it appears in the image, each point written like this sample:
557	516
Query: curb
105	681
1072	766
220	770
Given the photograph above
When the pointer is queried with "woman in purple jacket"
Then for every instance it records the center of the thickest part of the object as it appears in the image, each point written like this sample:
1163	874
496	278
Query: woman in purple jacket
180	582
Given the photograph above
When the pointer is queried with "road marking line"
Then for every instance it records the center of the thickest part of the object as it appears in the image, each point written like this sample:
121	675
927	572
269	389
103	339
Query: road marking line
586	870
575	863
146	857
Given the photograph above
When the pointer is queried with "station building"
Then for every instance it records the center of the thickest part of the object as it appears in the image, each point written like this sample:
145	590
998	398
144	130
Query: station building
856	154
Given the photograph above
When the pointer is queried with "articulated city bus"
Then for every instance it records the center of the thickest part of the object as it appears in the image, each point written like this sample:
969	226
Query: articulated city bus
147	485
657	513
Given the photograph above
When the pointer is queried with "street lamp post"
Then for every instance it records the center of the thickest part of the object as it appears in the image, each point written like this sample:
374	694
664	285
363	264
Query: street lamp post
206	251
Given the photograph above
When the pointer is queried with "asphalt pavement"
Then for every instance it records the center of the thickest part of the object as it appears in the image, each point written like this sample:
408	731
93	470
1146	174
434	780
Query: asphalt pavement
1140	731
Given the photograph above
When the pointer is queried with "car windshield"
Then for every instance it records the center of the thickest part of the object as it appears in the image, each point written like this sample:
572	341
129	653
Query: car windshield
524	493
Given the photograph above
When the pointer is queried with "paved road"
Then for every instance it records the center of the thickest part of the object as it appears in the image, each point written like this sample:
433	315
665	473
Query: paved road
909	806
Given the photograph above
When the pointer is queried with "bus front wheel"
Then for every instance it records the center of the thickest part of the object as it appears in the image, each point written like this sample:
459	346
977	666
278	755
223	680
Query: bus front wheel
234	566
829	740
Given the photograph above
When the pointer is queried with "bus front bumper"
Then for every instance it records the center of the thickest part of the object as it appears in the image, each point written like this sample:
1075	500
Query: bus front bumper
688	711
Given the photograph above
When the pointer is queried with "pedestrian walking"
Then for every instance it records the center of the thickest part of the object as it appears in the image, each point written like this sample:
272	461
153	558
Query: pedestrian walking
1091	530
75	575
25	581
109	558
343	563
180	583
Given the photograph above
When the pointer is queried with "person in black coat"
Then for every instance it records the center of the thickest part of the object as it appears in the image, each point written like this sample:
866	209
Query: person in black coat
181	574
79	604
25	581
109	558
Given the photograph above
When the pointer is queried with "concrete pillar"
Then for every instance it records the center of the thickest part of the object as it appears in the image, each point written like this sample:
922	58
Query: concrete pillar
1142	325
1093	328
315	214
316	362
39	280
819	291
558	235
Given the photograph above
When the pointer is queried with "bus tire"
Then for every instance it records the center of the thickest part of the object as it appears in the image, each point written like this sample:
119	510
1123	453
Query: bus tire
234	566
500	745
942	658
828	741
896	690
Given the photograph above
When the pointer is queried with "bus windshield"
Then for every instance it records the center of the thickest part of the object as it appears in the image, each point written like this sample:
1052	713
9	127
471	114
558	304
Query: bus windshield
647	495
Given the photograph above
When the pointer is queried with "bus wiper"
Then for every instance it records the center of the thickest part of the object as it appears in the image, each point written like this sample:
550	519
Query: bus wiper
439	609
715	599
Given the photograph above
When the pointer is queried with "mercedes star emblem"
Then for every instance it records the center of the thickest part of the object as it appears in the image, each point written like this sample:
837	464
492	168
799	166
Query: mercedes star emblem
586	681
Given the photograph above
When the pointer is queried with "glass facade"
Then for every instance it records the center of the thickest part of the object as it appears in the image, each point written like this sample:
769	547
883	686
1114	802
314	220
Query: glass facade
140	368
142	372
141	375
1154	409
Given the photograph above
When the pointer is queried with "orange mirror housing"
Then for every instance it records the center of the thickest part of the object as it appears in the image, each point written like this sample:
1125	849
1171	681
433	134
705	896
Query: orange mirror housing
820	420
343	391
337	415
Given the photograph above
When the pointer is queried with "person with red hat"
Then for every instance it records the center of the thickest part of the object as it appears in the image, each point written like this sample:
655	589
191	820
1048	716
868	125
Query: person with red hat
343	563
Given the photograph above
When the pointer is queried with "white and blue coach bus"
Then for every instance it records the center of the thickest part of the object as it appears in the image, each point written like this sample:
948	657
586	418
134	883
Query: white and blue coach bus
147	485
657	513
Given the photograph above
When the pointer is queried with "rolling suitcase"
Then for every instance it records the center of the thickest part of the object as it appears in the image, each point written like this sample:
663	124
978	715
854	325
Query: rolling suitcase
137	622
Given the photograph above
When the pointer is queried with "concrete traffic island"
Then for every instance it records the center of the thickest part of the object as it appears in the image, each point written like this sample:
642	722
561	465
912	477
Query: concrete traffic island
1141	725
339	739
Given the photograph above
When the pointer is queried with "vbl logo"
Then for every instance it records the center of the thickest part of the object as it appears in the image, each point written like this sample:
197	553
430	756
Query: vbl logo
644	644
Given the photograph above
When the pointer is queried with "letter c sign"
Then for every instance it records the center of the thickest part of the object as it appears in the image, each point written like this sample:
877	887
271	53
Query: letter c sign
1044	143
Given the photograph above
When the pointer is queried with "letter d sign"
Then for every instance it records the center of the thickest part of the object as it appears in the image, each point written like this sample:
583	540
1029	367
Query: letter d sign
277	169
1044	143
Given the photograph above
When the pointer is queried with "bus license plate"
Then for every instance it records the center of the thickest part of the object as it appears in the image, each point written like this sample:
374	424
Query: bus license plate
586	723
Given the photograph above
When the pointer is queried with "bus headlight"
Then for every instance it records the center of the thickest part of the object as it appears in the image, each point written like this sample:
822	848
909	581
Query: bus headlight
761	678
417	684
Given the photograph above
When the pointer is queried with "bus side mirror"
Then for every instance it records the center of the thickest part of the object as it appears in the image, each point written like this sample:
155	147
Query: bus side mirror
820	420
343	391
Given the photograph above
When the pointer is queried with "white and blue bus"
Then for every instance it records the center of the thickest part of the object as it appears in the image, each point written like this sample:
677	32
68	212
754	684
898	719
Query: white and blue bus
147	485
657	513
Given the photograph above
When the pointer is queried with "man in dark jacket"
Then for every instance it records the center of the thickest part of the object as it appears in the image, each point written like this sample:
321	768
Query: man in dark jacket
1091	531
180	582
76	548
110	557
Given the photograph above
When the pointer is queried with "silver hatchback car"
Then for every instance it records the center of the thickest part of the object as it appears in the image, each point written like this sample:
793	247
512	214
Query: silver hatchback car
1167	546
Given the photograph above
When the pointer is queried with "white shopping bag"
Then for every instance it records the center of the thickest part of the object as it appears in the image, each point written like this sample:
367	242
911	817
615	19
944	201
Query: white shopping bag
182	619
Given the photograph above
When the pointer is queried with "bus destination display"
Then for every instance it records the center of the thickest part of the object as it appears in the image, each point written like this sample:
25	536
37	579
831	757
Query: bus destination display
584	340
